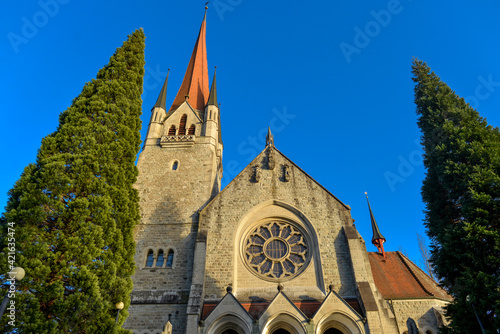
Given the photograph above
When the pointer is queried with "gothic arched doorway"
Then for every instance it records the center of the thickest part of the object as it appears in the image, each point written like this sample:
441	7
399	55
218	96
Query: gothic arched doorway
332	331
281	331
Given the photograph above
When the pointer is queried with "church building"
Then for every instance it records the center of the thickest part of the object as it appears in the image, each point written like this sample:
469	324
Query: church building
274	252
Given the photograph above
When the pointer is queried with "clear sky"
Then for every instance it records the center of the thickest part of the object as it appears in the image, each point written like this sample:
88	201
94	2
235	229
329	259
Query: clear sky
331	78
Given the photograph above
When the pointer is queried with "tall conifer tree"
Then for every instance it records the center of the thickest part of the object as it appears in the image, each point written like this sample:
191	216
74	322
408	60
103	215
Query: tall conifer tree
75	208
462	195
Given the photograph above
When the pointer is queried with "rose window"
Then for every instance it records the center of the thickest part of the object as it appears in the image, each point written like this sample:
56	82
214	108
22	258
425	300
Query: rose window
276	250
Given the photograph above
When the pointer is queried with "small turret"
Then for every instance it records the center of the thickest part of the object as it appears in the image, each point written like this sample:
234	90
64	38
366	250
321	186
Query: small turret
158	114
212	124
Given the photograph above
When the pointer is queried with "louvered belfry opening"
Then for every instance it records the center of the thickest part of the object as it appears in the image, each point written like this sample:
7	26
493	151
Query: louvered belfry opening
171	131
182	125
191	130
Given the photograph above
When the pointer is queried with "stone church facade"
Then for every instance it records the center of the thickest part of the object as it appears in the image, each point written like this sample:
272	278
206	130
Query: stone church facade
274	252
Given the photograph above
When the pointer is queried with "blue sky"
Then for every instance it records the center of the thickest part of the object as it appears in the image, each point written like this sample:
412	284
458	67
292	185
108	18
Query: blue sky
332	79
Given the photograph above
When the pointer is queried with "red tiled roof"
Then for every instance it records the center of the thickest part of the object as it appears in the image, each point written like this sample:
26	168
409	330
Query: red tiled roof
195	83
255	309
396	277
308	307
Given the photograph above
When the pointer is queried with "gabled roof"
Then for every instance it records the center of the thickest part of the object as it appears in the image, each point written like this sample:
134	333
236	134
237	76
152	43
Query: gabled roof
195	83
258	158
396	277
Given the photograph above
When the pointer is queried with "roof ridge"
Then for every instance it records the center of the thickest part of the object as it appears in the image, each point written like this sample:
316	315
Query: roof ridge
312	178
412	273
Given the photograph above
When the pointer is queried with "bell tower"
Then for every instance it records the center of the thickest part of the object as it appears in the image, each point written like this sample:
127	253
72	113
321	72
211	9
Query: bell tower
180	171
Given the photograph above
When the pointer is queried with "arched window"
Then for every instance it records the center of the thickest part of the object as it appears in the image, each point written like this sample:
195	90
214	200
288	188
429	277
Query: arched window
160	259
175	165
170	258
150	259
171	131
191	130
182	125
332	331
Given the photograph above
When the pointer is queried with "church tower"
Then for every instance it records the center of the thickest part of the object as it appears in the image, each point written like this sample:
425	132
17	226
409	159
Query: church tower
180	171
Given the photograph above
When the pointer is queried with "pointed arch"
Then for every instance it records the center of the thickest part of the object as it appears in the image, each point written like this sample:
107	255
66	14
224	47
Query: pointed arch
284	322
182	125
192	129
275	209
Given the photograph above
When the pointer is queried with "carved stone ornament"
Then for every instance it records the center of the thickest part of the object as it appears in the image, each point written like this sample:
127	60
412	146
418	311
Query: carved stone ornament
270	159
170	139
177	141
256	173
286	173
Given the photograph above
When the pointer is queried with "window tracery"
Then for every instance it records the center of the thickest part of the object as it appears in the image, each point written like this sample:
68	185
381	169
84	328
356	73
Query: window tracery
276	250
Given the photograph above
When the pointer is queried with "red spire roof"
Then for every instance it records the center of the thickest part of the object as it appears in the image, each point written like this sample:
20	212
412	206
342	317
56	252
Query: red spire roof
195	83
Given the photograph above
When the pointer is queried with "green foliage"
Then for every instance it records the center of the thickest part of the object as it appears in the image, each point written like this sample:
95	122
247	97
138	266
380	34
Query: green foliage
462	195
75	209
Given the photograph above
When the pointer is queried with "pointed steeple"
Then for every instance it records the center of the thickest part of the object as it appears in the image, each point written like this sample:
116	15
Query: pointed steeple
212	99
194	87
161	102
377	238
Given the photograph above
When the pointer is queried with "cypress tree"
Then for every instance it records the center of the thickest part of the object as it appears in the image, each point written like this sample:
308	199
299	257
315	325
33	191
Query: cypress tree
74	210
461	191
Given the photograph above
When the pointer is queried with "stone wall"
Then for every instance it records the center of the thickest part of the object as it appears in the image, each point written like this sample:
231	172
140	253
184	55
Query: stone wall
299	199
425	312
170	199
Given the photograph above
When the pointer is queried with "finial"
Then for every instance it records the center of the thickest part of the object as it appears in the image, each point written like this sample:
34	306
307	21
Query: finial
331	287
280	287
269	138
229	289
